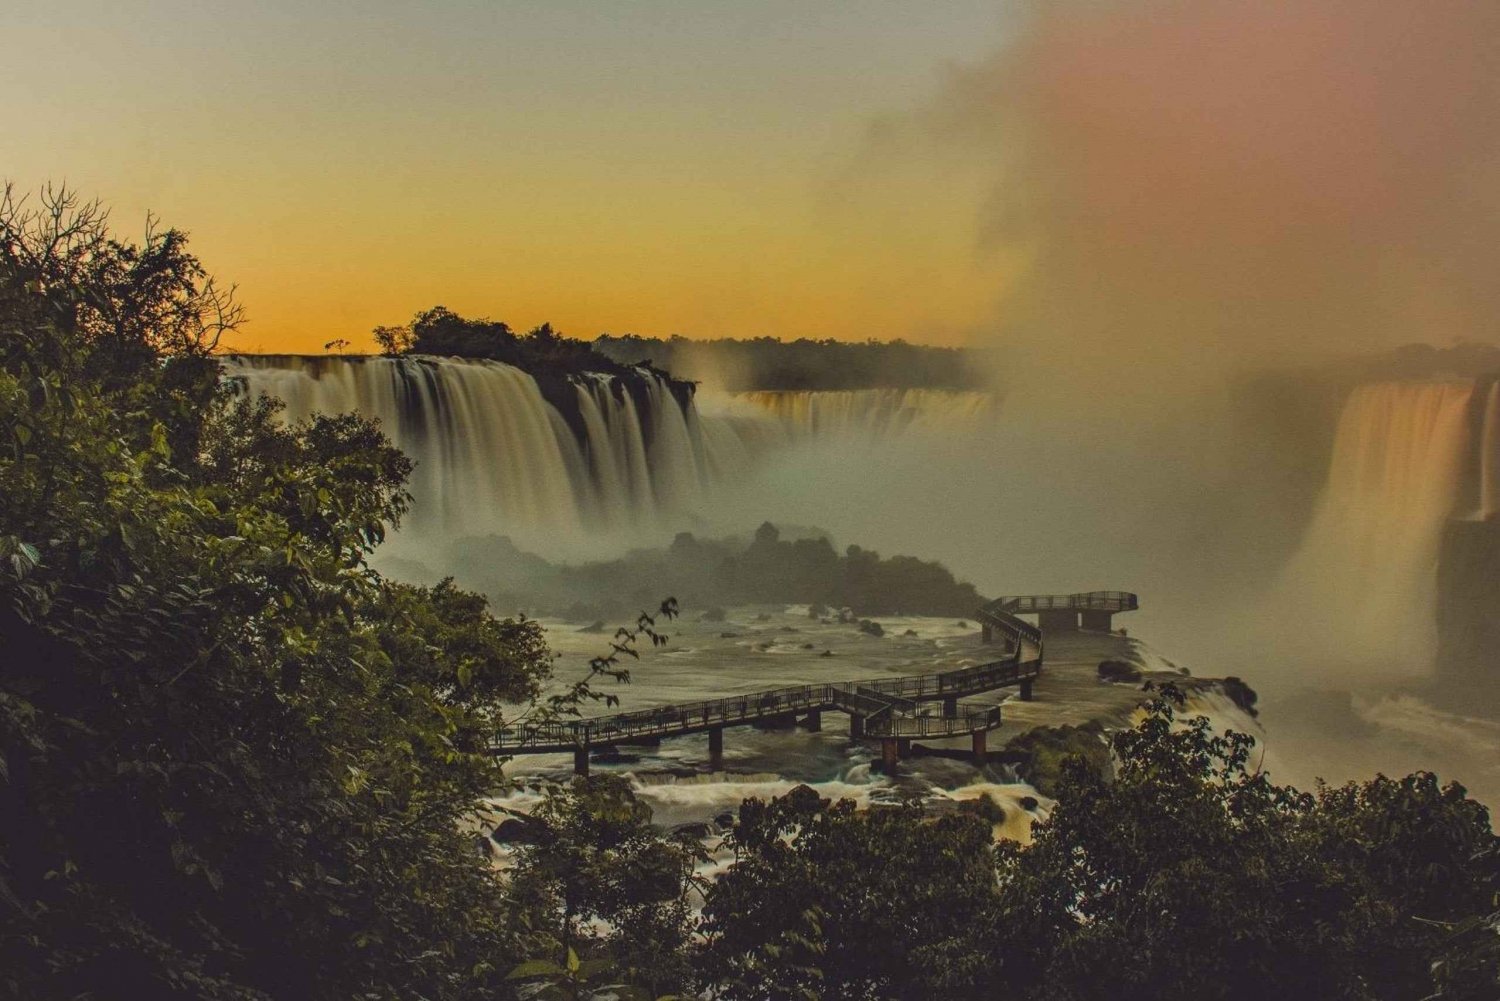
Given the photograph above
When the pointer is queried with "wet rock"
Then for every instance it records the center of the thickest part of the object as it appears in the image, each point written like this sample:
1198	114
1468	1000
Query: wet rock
725	820
808	646
696	832
1118	670
1029	803
962	624
871	628
910	632
985	807
1240	694
728	636
518	830
826	653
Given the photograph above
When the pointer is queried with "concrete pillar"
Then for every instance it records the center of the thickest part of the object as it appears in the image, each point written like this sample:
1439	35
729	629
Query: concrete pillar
1026	690
716	747
950	707
580	761
814	721
889	754
1098	621
903	747
1058	620
856	726
986	633
979	747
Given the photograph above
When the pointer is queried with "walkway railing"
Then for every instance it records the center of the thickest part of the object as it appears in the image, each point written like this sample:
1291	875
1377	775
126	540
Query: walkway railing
1084	601
887	706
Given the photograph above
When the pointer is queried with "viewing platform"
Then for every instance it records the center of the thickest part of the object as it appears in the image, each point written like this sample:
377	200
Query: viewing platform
887	710
1061	613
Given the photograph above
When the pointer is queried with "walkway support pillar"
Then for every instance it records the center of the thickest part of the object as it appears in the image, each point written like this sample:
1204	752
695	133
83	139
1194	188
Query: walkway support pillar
1058	620
889	754
856	727
1099	621
986	633
903	747
1026	690
814	721
580	761
980	745
950	707
716	747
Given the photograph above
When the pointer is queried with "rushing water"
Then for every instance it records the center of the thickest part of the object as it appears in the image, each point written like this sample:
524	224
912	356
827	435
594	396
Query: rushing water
1366	573
494	456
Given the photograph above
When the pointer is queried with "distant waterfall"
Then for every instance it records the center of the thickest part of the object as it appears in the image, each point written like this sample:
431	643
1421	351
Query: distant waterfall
1366	572
1489	455
495	454
876	412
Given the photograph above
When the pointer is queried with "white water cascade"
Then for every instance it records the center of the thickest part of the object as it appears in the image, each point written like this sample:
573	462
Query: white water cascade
1489	455
1365	577
494	456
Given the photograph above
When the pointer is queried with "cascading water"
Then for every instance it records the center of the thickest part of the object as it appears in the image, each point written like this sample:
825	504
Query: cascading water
1489	455
877	412
1365	576
494	456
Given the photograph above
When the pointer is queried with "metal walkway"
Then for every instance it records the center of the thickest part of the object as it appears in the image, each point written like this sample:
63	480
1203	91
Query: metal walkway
884	709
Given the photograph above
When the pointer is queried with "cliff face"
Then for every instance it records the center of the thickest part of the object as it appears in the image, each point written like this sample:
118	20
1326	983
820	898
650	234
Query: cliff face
1468	615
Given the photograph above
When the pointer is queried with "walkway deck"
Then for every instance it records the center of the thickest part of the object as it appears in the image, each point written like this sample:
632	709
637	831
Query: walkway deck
884	709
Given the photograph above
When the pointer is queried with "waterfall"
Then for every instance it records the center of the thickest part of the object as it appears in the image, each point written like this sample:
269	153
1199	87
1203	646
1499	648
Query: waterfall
1365	576
871	412
623	460
1489	455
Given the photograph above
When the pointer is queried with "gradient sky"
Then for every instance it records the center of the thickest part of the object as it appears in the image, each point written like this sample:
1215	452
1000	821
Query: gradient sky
701	167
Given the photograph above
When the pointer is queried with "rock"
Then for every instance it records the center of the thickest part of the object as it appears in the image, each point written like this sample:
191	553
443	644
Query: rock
518	830
910	632
1118	670
696	832
826	653
597	626
1029	803
728	636
725	820
817	610
1240	694
846	615
808	646
962	624
790	629
984	807
871	628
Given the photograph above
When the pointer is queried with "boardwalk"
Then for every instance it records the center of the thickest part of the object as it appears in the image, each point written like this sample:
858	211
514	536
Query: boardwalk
885	710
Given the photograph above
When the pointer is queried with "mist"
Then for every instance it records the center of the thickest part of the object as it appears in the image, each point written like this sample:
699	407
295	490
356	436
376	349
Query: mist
1201	217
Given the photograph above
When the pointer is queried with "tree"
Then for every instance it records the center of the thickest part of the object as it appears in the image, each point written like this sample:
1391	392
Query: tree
824	901
234	761
1189	876
393	341
599	861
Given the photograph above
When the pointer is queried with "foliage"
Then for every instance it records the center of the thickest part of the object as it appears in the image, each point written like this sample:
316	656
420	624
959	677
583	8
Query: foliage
602	881
826	902
1189	876
234	762
717	572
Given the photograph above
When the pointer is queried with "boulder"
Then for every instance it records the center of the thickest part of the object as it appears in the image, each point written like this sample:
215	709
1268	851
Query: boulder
1117	671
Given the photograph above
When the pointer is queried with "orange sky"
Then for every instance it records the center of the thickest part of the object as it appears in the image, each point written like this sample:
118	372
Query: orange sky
659	167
